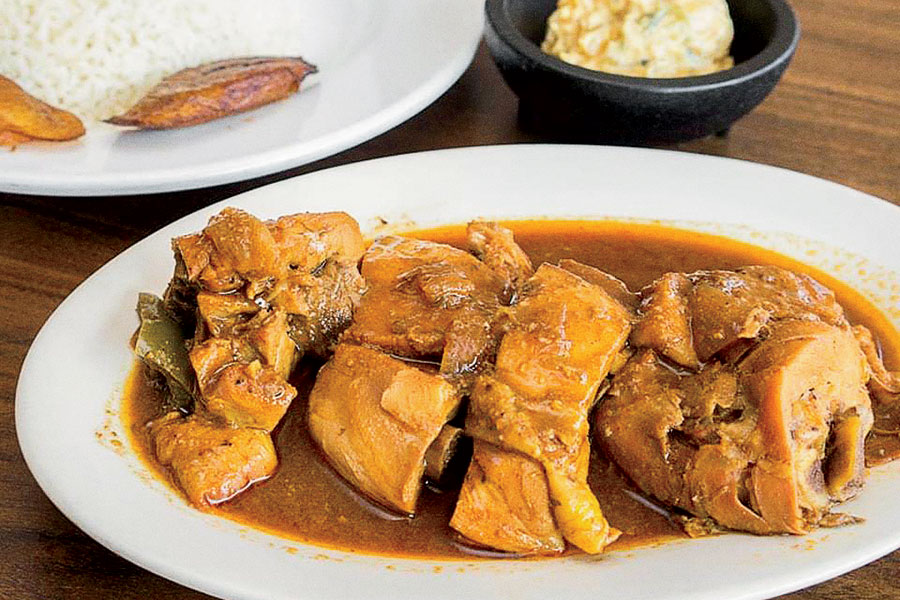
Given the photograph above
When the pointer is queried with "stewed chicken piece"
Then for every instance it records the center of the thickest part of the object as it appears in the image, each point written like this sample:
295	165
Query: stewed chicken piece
211	460
238	253
611	284
766	431
505	503
690	318
236	386
375	417
320	304
427	300
496	247
562	337
321	285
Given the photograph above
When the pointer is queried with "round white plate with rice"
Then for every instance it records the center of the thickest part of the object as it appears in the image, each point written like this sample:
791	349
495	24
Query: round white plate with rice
379	64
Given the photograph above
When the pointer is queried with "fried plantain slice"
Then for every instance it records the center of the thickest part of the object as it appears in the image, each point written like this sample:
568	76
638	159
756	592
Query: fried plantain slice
24	118
214	90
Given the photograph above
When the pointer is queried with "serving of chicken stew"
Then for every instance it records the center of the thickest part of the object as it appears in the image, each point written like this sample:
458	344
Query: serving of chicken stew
508	390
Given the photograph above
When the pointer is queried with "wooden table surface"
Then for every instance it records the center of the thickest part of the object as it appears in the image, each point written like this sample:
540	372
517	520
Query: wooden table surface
836	114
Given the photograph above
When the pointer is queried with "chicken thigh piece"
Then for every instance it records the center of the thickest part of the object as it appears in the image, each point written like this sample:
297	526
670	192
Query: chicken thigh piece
244	259
374	417
563	336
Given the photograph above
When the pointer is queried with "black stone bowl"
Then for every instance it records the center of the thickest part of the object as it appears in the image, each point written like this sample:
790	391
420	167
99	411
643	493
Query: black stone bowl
567	102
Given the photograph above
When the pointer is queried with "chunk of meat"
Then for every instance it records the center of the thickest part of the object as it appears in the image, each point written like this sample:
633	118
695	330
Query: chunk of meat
427	300
192	256
211	356
249	395
469	344
320	286
238	388
497	248
24	118
306	240
634	421
374	417
243	373
665	323
236	249
692	318
504	503
215	90
729	306
767	445
320	304
211	461
267	333
233	249
564	335
223	313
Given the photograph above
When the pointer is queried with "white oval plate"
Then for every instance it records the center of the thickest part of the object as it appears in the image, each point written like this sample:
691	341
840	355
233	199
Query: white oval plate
71	382
380	62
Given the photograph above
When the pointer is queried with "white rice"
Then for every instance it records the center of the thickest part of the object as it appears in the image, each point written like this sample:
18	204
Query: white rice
96	58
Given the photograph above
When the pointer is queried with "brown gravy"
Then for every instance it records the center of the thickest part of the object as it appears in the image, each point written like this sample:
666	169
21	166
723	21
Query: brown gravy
306	501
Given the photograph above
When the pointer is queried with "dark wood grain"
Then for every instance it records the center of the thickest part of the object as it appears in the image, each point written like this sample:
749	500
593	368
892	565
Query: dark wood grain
835	115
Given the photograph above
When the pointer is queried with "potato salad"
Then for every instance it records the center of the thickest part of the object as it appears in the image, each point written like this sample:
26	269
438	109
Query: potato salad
642	38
